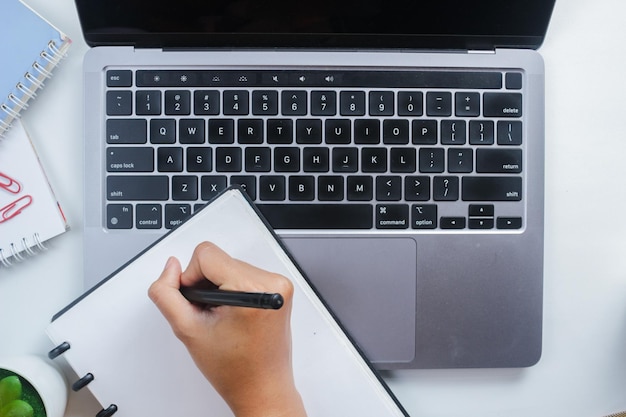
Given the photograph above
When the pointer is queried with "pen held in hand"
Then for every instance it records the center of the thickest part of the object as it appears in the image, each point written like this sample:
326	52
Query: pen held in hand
272	301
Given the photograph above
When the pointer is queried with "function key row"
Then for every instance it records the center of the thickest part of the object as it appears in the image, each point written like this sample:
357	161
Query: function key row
315	78
320	103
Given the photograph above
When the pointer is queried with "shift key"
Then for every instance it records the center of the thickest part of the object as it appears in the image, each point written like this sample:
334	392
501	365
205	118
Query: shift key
492	188
137	187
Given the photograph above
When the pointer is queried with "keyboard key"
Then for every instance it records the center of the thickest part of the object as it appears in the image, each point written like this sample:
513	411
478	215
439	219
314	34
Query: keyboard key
424	216
330	188
392	216
439	104
373	159
294	103
170	159
184	187
367	131
265	102
176	214
502	105
481	210
280	131
509	222
315	159
318	216
445	188
149	216
467	104
272	188
337	131
119	78
236	102
410	103
119	103
452	222
309	131
301	188
247	184
352	103
460	160
480	223
360	188
431	160
424	132
396	131
130	159
381	103
206	102
228	159
323	103
126	131
250	131
509	133
211	186
221	131
177	102
162	131
402	160
499	160
389	188
492	188
148	103
138	187
453	132
199	159
191	131
481	132
286	159
513	80
417	188
119	216
345	159
258	159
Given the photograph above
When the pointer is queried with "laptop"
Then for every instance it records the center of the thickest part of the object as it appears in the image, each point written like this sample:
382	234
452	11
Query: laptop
396	147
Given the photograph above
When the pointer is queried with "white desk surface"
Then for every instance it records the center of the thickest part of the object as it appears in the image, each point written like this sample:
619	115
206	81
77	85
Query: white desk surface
583	368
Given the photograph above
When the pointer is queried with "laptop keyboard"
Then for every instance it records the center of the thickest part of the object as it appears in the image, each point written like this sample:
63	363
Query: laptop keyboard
386	150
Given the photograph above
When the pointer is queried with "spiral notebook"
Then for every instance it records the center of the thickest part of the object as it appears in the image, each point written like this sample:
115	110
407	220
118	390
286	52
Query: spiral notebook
30	50
29	212
117	341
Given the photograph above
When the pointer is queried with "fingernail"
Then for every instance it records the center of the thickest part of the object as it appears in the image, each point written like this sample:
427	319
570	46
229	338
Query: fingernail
169	263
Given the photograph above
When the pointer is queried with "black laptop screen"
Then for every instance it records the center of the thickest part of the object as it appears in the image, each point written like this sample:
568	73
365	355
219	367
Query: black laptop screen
462	24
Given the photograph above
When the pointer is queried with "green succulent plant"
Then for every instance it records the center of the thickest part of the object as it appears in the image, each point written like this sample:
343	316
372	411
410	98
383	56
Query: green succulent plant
11	402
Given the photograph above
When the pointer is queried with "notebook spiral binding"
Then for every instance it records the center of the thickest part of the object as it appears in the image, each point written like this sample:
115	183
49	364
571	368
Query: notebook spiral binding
82	382
26	89
17	252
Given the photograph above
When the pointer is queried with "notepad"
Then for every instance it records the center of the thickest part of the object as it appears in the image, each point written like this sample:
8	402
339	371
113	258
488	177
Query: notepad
116	334
30	49
30	214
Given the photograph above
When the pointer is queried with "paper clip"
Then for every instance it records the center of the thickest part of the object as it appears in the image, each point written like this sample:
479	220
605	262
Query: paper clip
13	209
9	184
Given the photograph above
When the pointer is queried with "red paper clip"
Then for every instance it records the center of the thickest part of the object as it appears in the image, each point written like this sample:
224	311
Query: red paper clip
9	184
13	209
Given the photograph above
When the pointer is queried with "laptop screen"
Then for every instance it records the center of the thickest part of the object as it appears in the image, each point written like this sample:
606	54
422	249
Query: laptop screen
433	24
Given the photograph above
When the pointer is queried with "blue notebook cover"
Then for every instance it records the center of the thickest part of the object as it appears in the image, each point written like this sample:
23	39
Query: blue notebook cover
31	48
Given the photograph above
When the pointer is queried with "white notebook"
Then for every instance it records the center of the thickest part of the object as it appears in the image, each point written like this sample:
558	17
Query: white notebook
115	333
30	214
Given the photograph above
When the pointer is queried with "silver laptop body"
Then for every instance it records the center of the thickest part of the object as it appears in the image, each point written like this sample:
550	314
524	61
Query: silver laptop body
446	276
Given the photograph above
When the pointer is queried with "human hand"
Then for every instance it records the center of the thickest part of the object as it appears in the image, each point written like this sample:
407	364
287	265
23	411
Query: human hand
244	352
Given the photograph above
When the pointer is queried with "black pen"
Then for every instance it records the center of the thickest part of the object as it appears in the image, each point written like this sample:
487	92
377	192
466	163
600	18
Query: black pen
272	301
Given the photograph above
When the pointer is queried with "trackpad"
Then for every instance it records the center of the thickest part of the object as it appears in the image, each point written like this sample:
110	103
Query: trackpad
370	284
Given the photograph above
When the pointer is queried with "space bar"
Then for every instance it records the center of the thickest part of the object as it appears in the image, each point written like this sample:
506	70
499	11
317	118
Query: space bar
318	216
